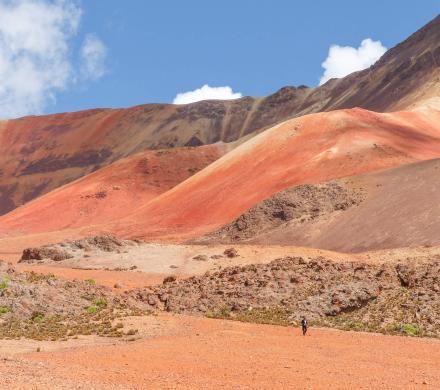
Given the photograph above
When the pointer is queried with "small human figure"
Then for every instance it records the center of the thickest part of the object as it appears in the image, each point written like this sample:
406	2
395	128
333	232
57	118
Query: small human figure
304	325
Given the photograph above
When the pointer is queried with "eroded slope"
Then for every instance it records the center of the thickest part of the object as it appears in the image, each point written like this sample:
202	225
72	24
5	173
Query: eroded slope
111	192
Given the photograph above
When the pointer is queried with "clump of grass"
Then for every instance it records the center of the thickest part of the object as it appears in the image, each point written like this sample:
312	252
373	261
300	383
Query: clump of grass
4	310
100	302
37	316
92	282
4	283
33	277
92	309
411	329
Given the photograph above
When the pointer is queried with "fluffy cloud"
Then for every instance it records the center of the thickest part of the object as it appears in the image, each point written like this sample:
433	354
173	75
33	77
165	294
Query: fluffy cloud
93	53
343	60
206	93
35	53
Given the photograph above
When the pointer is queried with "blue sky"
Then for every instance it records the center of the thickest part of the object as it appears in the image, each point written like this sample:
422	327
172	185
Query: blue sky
152	50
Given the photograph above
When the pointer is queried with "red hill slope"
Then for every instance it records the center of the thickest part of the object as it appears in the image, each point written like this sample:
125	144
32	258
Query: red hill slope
309	149
111	192
41	153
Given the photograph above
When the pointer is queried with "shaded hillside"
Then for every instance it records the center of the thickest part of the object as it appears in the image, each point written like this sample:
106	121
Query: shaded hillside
397	207
41	153
114	191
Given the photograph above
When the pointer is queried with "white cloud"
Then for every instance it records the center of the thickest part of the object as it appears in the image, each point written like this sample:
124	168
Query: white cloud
343	60
206	93
93	53
35	53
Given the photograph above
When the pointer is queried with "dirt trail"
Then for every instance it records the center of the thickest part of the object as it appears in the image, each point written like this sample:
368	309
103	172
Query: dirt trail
213	354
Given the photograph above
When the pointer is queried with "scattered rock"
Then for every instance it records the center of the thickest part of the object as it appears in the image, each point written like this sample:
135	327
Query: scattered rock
169	279
77	248
230	252
55	254
200	258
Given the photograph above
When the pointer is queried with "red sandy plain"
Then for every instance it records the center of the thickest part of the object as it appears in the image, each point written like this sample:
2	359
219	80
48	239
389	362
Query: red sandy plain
198	353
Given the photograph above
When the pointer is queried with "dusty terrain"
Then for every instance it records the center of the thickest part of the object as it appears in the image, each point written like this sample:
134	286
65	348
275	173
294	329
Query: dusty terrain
196	353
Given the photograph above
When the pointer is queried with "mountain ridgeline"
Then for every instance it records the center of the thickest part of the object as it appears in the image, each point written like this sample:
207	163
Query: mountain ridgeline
41	153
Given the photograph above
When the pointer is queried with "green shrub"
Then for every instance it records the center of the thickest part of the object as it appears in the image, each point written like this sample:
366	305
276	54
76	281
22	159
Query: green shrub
91	309
411	329
37	316
4	283
100	302
92	282
4	310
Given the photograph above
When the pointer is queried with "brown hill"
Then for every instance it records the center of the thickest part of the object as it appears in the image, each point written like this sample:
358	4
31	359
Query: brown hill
39	154
389	209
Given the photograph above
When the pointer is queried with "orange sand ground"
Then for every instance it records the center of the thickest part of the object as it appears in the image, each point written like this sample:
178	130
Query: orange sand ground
198	353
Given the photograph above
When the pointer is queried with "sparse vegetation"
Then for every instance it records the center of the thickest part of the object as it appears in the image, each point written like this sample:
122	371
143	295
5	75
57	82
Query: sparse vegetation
41	307
41	327
91	309
273	316
4	283
100	302
411	329
33	277
37	316
4	310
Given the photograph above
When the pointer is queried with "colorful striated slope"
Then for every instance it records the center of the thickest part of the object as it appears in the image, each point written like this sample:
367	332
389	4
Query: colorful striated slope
39	154
310	149
111	192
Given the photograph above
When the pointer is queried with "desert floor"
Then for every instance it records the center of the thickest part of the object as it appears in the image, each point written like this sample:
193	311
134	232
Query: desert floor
181	352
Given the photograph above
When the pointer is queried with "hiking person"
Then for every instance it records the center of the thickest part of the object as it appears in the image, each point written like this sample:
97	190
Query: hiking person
304	325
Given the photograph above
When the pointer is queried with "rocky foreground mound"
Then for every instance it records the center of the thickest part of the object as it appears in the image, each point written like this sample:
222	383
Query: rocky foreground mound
297	205
69	249
44	307
400	297
387	209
